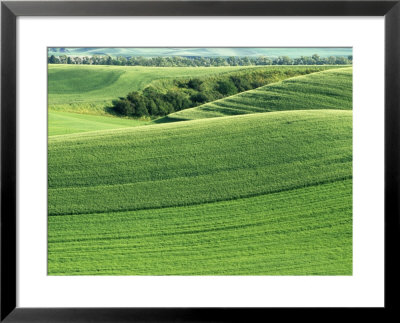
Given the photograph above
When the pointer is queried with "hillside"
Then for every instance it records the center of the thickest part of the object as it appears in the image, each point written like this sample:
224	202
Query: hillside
80	96
331	89
61	123
262	235
90	88
266	193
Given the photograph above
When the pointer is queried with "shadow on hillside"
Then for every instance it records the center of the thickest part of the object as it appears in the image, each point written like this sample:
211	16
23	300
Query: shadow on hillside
167	119
111	110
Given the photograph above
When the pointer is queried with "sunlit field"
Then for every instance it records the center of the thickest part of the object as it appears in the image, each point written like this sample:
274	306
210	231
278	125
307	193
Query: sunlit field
258	182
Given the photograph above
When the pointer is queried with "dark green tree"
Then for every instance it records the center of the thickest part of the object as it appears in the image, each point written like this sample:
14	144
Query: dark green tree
178	100
226	87
241	83
123	107
199	98
53	60
138	103
195	84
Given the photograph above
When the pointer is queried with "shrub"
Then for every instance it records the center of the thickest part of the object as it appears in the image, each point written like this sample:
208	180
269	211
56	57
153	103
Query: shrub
123	107
226	87
178	100
241	83
198	98
195	84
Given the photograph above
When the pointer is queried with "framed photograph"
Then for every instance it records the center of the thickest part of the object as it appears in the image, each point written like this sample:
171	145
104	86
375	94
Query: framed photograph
198	161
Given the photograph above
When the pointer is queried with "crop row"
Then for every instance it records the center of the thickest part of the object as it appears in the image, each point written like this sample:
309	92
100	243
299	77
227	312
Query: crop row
303	231
196	162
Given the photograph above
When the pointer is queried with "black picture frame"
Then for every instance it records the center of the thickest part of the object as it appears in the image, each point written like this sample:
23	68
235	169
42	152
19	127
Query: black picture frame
10	10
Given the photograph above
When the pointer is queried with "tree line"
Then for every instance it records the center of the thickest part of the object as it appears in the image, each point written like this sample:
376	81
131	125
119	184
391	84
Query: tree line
180	61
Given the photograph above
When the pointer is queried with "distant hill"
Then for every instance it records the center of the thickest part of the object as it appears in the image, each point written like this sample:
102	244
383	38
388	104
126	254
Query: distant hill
205	51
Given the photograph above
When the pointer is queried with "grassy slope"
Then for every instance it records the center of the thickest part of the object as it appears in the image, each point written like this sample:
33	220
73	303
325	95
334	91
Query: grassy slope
284	180
258	235
61	123
331	89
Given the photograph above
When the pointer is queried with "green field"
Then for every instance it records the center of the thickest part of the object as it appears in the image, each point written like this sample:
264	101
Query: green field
62	123
256	236
259	183
234	163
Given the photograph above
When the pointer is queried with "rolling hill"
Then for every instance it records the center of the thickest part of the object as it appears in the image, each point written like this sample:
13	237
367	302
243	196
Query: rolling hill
79	95
266	193
330	89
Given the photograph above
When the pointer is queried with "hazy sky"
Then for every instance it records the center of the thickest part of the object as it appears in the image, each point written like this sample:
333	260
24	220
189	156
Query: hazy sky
203	51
